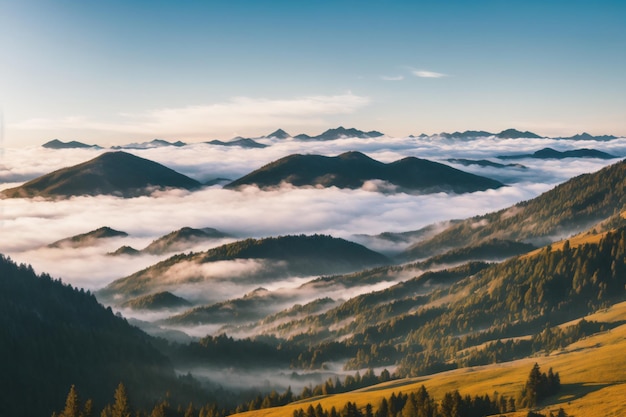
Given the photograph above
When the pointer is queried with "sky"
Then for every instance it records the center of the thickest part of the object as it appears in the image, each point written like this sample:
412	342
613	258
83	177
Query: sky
116	72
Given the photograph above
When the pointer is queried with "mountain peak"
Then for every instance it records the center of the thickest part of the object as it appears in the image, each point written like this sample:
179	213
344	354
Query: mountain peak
115	173
279	134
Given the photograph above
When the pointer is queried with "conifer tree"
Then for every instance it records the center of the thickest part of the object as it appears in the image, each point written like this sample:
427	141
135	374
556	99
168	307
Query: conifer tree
121	407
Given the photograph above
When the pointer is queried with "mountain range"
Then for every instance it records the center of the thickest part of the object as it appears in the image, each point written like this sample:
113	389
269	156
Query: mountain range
330	134
279	256
354	169
549	153
339	133
58	144
114	173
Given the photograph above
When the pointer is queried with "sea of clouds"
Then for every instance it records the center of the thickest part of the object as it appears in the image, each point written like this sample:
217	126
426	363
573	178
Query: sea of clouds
28	225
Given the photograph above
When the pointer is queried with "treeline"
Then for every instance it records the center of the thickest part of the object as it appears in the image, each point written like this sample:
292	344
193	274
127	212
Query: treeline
329	387
123	407
53	335
420	404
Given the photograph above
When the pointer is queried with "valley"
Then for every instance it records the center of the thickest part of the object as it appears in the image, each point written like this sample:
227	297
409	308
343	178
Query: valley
249	289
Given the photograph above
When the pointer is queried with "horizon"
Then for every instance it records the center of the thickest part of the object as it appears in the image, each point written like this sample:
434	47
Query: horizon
118	72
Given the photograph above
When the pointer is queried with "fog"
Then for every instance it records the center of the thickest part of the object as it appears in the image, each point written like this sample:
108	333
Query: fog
28	225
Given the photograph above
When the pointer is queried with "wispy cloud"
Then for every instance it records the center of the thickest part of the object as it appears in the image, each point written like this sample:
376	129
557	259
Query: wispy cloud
392	77
200	119
428	74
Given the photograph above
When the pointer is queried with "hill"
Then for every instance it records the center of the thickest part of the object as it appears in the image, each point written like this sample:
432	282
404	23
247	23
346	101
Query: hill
468	134
353	169
57	144
56	336
115	173
182	239
568	208
281	256
549	153
87	239
157	301
339	133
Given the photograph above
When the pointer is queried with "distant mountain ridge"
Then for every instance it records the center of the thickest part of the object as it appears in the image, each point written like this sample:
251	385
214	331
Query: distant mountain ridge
113	173
239	141
340	132
155	143
58	144
549	153
353	169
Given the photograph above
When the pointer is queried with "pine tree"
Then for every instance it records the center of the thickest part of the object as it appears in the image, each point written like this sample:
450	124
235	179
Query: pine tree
72	404
121	407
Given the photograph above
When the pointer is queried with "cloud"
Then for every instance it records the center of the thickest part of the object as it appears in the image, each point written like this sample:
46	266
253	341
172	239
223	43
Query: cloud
198	120
392	77
27	225
428	74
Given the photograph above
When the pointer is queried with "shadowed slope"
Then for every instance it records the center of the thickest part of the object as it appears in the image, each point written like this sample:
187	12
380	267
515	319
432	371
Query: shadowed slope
116	173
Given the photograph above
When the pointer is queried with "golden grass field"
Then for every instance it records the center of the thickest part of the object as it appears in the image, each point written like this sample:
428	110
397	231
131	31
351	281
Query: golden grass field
592	370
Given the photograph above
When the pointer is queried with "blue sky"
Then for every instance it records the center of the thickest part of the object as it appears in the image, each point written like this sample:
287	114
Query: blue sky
113	72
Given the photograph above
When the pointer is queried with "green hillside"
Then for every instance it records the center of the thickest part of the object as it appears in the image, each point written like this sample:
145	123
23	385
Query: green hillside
569	208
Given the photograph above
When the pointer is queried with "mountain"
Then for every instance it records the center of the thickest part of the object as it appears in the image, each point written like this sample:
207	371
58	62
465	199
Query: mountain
483	163
353	169
341	132
88	239
182	239
568	208
238	141
587	136
114	173
275	257
549	153
278	134
468	134
516	134
155	143
157	301
53	332
57	144
125	250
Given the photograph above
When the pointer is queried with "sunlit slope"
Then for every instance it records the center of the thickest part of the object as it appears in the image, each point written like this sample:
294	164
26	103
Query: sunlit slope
593	378
571	207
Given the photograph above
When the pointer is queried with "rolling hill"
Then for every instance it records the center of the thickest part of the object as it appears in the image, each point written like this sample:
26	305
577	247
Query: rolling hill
88	239
353	169
278	257
157	301
568	208
182	239
113	173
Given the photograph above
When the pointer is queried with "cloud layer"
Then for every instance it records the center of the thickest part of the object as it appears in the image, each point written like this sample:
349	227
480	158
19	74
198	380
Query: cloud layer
28	225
